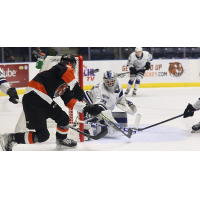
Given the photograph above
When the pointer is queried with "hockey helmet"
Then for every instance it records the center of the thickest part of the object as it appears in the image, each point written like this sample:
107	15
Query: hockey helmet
69	58
110	80
138	49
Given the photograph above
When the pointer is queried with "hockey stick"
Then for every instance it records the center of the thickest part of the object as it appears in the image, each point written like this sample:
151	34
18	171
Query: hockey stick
118	127
123	74
96	137
141	129
95	70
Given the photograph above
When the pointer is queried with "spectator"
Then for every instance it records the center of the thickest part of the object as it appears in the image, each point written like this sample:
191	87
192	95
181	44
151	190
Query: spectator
51	51
36	53
8	55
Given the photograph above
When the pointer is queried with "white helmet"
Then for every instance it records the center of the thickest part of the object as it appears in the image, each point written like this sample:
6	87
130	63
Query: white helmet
110	80
138	49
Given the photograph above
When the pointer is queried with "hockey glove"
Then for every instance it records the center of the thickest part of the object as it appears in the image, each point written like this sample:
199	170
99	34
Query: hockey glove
189	111
13	95
77	92
148	65
92	109
133	71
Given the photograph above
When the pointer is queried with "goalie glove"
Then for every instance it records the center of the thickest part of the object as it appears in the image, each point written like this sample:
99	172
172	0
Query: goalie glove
127	106
13	95
92	109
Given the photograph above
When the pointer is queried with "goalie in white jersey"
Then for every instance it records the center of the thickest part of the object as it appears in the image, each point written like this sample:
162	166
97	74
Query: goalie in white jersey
6	89
138	62
108	94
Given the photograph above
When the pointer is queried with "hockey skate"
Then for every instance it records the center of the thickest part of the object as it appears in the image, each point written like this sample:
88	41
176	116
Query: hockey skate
134	93
196	128
127	91
7	141
65	143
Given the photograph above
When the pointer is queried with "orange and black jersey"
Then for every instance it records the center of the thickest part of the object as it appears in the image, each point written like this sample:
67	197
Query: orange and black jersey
54	82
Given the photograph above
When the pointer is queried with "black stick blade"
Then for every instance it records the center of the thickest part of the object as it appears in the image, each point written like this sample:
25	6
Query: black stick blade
100	135
129	133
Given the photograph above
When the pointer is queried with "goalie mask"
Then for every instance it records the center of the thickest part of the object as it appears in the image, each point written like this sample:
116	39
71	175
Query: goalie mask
110	81
69	58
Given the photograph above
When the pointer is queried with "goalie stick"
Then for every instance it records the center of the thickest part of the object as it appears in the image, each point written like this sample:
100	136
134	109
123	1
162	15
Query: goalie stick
96	137
118	127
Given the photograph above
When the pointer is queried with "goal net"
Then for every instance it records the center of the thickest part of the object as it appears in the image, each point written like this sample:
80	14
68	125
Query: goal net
49	62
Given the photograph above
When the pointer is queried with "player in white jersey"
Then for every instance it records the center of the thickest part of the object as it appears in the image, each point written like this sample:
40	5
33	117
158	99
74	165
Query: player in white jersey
189	112
108	94
6	89
138	62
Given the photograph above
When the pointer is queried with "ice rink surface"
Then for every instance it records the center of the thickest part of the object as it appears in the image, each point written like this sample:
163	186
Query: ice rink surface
154	105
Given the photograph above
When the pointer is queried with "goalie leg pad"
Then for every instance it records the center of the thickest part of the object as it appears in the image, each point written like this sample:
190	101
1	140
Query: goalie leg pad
121	118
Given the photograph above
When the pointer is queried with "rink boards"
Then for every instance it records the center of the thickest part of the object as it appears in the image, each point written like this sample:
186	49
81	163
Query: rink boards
163	73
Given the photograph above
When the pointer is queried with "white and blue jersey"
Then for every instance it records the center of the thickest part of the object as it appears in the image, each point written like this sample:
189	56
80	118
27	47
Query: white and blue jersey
139	63
4	85
100	95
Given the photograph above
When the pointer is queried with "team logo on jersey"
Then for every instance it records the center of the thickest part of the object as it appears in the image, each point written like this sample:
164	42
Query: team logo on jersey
61	90
105	97
21	67
176	69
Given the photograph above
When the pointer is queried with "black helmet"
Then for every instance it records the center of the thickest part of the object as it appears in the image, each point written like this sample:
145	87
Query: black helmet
70	59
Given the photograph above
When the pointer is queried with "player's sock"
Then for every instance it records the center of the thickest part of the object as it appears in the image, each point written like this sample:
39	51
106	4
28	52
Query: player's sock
61	132
129	85
40	135
137	84
196	128
26	138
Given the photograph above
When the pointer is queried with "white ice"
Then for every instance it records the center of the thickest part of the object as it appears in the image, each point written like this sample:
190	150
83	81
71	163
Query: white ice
154	105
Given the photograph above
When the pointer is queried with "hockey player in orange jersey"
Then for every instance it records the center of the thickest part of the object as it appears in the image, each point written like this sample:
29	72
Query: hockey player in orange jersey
38	105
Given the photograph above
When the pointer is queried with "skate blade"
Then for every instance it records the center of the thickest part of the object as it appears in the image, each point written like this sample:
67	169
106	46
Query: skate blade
64	147
195	131
2	143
